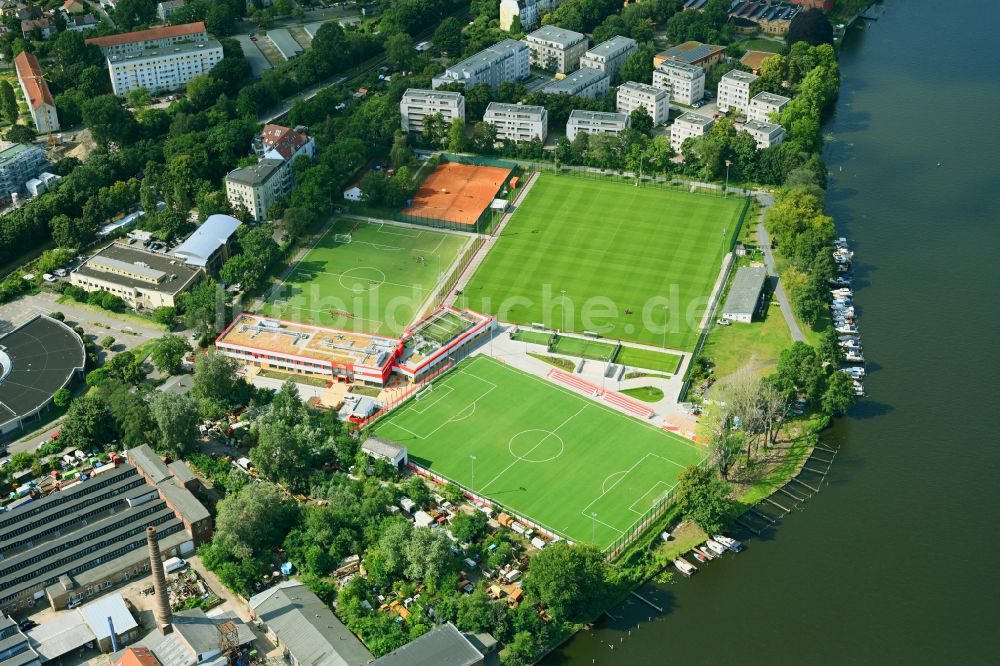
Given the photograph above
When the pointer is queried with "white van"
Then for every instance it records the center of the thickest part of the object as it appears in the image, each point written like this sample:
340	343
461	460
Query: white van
173	564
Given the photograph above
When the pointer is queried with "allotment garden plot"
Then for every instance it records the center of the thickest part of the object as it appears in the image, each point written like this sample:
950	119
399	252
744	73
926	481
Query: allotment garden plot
366	277
608	246
540	450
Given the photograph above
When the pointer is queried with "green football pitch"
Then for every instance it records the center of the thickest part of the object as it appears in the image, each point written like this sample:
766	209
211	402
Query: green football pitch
569	463
618	252
379	282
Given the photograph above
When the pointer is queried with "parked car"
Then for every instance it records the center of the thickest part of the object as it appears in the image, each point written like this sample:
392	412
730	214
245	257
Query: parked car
723	322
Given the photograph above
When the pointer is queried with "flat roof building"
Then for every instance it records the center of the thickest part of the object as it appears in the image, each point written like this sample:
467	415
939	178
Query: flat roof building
693	53
36	92
518	122
744	296
508	60
256	188
305	628
763	105
556	49
417	104
141	278
595	122
285	43
685	82
163	68
90	535
734	91
37	358
609	56
584	82
765	134
208	246
656	101
444	645
688	126
383	449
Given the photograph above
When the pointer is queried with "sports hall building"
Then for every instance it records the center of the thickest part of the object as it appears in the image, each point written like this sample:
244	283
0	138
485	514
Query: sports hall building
342	356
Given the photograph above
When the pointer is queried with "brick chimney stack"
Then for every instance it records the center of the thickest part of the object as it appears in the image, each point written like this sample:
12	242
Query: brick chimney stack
162	610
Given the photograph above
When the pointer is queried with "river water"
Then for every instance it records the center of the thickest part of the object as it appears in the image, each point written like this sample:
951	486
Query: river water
896	559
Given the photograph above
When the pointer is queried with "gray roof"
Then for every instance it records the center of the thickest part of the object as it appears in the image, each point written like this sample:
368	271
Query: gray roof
760	127
207	239
159	51
443	646
201	632
424	93
605	116
522	110
97	268
382	447
183	500
255	175
771	98
147	461
581	78
612	46
96	615
739	75
693	54
181	471
643	87
307	628
694	119
679	66
745	292
557	35
283	41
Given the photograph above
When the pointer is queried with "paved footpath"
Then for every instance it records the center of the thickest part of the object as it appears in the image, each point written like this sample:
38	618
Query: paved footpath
764	241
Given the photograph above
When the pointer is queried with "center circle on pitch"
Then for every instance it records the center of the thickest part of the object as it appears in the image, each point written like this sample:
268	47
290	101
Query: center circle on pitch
361	279
536	446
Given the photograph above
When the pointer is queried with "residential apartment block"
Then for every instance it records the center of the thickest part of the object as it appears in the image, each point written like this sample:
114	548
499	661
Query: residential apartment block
528	12
584	82
518	122
632	95
555	49
163	68
36	92
692	53
167	8
766	134
688	126
141	278
609	56
764	104
685	82
508	60
417	104
19	164
595	122
256	188
282	143
734	91
133	43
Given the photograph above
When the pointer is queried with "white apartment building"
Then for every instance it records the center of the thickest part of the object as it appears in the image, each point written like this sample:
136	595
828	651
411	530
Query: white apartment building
609	56
132	43
595	122
36	92
764	104
555	49
765	134
688	126
518	122
734	91
508	60
163	68
417	104
632	95
528	11
584	82
685	82
256	188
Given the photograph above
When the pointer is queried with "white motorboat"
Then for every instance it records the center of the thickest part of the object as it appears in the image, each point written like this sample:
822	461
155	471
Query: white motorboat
846	328
705	552
731	544
840	280
717	548
854	357
684	566
856	369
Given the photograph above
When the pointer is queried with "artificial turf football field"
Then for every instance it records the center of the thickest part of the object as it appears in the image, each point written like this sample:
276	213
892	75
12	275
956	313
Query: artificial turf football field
377	283
546	453
608	244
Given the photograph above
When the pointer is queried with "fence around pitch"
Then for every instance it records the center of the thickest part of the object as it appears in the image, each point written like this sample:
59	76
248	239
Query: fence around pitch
637	528
408	393
463	263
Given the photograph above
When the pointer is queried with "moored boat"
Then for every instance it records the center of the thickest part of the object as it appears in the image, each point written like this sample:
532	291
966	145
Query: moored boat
731	544
715	547
684	566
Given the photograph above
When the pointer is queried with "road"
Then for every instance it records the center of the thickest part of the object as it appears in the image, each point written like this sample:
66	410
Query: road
764	242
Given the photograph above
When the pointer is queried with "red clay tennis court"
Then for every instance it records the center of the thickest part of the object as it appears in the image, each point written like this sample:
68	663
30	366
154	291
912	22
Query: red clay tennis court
458	193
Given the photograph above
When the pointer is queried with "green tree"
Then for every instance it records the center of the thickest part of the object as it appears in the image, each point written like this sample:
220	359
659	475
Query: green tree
8	102
571	582
221	19
87	424
203	307
254	521
169	353
400	153
839	394
108	341
61	398
703	497
216	386
520	651
448	37
456	135
469	527
177	419
20	134
641	121
399	51
126	367
165	315
811	26
282	452
638	66
138	98
108	121
474	612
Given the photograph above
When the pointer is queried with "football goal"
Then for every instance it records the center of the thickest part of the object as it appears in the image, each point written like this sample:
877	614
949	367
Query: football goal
342	238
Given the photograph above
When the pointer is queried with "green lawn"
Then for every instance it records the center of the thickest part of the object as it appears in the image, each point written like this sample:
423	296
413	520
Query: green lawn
533	337
645	393
760	44
377	283
541	451
756	344
620	253
592	349
648	359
